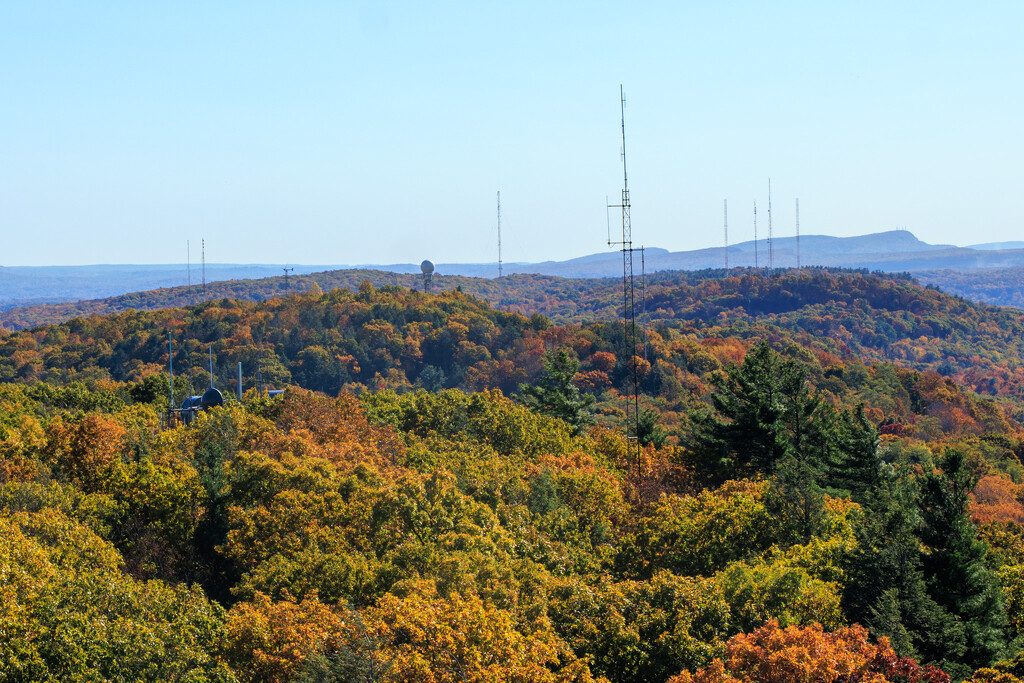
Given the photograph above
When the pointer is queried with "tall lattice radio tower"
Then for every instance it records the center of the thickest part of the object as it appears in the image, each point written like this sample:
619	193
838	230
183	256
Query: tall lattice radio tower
629	301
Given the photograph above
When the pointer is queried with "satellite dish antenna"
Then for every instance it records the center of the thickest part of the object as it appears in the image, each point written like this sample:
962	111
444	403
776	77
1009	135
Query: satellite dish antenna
428	275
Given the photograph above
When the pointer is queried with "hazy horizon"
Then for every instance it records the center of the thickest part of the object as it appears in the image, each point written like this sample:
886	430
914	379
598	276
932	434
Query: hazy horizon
196	266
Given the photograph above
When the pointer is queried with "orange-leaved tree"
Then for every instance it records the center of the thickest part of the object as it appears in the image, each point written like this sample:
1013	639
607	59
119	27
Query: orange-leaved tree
810	655
84	451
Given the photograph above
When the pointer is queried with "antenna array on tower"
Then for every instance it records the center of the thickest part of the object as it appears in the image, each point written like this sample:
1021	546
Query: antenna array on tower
427	268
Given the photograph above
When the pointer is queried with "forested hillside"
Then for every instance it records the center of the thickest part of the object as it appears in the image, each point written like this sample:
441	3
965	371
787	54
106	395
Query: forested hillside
997	286
552	296
826	485
564	300
390	337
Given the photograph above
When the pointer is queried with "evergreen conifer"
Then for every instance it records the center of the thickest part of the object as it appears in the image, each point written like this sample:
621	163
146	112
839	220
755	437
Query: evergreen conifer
554	393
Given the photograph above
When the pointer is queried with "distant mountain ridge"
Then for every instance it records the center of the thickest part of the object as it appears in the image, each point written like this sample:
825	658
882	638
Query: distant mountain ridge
997	245
891	251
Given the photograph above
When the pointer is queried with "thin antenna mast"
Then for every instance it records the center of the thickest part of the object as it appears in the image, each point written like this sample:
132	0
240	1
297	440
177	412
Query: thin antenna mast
755	233
629	300
798	233
188	267
725	210
211	366
170	364
771	251
204	268
499	233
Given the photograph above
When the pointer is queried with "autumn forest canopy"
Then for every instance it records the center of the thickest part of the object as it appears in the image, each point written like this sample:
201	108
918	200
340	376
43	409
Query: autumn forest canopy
824	484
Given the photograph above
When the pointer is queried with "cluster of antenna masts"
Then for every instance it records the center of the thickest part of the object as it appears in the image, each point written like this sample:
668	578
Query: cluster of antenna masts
211	398
629	286
769	245
188	267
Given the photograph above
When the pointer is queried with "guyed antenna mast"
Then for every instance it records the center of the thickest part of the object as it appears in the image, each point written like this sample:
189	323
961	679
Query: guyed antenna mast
771	249
798	233
629	301
725	211
170	365
755	233
499	233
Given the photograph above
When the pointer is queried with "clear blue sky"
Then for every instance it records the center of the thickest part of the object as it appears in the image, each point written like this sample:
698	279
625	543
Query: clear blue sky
379	132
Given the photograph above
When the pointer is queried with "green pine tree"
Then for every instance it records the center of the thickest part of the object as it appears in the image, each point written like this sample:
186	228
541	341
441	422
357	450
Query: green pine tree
855	470
954	567
885	588
648	431
795	493
745	433
554	393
